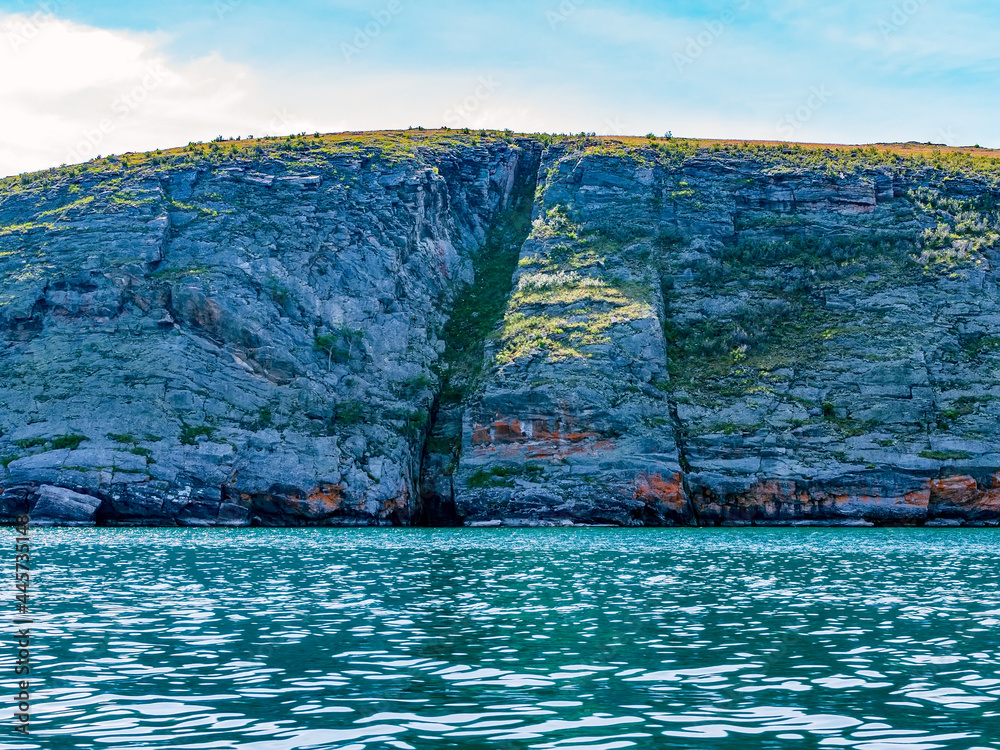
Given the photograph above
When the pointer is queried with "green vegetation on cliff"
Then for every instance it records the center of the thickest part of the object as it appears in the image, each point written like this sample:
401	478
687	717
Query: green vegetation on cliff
658	330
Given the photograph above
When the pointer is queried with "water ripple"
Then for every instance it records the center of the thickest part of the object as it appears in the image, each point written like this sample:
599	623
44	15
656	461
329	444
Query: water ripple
563	639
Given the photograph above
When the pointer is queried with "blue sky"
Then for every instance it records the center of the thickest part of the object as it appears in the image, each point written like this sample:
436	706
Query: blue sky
772	69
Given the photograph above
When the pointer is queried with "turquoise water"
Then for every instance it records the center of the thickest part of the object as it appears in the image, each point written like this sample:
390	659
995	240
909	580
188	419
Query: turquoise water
877	639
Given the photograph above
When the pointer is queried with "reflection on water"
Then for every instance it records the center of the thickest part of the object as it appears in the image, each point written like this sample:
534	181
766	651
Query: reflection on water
562	639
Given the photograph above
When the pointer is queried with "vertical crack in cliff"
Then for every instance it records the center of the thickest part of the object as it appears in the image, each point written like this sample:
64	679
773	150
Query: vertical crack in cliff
680	433
476	311
680	437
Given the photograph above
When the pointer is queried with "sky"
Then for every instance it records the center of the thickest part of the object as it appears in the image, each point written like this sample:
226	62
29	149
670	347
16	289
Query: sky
97	77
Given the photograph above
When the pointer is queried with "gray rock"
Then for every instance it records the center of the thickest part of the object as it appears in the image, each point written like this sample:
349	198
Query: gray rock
713	335
57	506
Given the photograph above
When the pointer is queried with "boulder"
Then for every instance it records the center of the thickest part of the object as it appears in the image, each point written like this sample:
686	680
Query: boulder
58	506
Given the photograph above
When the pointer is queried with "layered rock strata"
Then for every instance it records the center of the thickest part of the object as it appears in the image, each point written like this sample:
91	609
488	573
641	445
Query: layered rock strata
446	328
236	338
709	339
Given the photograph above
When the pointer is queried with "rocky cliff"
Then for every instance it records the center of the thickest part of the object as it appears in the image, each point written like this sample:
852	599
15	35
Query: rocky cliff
441	327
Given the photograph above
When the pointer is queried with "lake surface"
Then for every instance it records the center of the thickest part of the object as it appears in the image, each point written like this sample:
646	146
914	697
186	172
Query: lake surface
562	639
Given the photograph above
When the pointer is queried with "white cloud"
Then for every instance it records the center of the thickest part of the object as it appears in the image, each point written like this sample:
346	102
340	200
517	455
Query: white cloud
76	91
70	92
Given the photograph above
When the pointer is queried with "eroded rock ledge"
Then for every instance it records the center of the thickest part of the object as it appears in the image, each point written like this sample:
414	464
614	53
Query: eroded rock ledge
444	328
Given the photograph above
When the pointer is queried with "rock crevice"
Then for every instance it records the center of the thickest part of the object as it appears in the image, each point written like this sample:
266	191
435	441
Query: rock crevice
482	329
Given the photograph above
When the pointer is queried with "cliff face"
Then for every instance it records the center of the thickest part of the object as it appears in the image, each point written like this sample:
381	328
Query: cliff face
238	339
469	329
